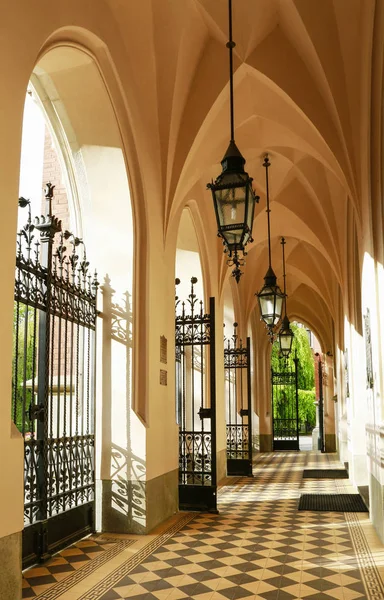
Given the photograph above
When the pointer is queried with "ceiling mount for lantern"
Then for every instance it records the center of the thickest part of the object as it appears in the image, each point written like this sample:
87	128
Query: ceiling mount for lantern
233	196
285	334
270	297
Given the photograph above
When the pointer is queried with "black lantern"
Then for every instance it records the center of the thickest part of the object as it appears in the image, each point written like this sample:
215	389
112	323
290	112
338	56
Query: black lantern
270	297
233	196
285	333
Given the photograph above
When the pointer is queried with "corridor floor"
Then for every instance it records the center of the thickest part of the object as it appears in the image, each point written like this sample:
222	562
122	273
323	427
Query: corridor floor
258	547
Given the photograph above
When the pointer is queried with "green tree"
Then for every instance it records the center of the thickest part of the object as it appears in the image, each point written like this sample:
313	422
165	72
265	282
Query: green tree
23	356
306	376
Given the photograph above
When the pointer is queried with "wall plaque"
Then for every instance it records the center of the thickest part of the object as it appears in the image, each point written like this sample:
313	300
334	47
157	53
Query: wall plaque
163	349
163	377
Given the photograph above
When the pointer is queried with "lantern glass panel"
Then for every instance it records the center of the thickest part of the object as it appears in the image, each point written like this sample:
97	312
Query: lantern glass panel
250	210
285	339
278	308
231	213
271	305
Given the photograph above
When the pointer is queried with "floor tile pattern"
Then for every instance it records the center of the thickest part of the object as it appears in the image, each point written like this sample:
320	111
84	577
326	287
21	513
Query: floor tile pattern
373	581
63	571
259	546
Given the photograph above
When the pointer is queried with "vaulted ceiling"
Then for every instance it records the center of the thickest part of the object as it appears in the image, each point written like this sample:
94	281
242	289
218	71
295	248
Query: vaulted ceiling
302	94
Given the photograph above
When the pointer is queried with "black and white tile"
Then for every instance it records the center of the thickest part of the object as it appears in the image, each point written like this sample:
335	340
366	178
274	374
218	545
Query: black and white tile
259	546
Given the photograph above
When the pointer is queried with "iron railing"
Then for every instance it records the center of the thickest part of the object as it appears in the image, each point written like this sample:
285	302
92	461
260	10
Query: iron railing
196	401
53	379
238	405
285	406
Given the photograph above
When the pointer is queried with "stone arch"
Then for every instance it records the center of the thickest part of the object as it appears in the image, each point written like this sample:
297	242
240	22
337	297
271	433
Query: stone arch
91	123
94	50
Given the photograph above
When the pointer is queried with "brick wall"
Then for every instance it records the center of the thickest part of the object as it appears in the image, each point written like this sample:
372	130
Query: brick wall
52	172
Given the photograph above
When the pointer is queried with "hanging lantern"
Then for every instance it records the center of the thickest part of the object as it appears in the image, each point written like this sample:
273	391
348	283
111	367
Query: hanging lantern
233	196
270	300
270	297
285	338
285	334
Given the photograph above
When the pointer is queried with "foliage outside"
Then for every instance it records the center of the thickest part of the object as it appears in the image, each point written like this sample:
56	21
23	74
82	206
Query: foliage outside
306	379
22	371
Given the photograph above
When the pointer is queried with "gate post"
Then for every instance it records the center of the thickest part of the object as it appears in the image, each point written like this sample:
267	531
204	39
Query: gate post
195	330
239	433
321	408
272	412
250	407
296	361
212	374
48	226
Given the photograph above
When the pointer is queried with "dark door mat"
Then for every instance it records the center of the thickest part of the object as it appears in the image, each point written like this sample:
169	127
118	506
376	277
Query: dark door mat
325	474
332	502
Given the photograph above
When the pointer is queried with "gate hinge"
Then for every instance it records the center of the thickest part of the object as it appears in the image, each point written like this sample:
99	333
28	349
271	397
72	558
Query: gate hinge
243	412
205	413
36	411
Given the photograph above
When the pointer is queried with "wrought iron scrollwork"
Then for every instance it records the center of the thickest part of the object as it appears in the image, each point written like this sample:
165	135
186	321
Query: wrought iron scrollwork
283	378
238	398
285	410
285	429
195	400
195	458
55	316
193	325
238	441
235	354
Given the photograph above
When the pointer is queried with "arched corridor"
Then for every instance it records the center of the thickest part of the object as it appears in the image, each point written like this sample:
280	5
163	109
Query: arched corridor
130	107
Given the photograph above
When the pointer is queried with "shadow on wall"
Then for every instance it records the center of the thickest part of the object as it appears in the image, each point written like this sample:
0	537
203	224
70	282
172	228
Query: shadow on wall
123	472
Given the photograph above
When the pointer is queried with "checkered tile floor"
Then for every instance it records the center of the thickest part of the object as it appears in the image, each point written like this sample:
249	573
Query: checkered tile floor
39	579
259	546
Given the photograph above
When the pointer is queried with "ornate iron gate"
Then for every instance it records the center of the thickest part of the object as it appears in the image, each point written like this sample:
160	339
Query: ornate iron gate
238	406
285	406
53	382
196	402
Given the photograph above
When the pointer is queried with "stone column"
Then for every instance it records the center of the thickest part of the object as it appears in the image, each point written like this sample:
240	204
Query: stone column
315	432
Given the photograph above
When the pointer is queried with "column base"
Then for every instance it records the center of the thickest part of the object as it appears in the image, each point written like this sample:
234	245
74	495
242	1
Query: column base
315	438
256	442
330	442
343	450
358	469
376	505
266	442
10	566
138	506
221	465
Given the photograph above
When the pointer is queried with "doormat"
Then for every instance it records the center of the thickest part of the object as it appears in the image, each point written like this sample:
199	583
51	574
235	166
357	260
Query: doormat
332	502
325	474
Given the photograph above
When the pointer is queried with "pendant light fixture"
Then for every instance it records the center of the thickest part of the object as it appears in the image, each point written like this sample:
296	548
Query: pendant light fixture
270	297
233	196
285	333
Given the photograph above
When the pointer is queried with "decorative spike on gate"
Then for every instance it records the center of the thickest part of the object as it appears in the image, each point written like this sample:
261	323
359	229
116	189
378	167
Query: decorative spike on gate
48	193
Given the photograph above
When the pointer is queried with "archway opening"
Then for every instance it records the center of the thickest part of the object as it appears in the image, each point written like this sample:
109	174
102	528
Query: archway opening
298	392
79	394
